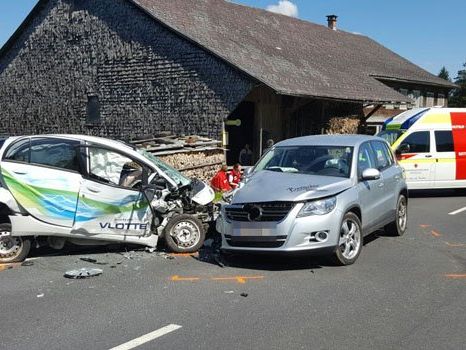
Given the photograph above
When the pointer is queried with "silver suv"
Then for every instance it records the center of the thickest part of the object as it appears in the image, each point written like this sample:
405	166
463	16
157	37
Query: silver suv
317	193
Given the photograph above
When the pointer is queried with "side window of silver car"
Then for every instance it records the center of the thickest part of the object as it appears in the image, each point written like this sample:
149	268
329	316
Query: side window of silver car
381	156
365	158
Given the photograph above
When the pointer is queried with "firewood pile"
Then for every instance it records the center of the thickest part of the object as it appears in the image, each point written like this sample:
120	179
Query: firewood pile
195	156
348	125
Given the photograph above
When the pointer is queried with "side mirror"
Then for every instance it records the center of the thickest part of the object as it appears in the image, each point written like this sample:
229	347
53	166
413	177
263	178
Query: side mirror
404	148
370	174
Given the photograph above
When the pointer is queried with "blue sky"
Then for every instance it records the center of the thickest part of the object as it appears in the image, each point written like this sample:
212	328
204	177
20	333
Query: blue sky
430	33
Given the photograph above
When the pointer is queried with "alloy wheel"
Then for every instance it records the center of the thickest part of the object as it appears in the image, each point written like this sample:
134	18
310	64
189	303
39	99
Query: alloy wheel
350	239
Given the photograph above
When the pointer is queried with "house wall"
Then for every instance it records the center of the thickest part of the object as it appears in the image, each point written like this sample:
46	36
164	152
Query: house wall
88	58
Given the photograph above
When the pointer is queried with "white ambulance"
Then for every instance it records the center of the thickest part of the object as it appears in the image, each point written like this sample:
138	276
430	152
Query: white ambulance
430	144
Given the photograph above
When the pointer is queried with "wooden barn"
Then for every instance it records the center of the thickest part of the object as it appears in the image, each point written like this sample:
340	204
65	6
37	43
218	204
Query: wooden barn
131	68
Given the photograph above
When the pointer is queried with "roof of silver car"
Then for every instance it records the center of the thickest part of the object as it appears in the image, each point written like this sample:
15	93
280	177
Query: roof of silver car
329	140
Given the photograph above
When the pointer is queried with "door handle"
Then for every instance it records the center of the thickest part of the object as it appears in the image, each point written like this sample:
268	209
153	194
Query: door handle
397	177
381	184
19	172
93	189
428	155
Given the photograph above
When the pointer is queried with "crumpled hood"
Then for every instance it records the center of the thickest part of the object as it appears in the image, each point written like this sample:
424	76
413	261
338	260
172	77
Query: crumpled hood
268	186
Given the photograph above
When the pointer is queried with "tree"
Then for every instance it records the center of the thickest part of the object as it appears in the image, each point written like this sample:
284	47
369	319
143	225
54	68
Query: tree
444	74
458	98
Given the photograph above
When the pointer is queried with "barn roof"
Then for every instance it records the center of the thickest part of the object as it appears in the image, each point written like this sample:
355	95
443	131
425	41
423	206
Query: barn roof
291	56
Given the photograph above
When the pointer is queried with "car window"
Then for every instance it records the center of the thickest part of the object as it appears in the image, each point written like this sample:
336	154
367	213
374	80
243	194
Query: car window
418	142
388	153
114	168
365	158
58	153
381	157
310	160
444	141
19	151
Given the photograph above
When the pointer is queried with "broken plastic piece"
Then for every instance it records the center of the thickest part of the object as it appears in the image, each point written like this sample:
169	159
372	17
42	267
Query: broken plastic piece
40	295
150	249
83	273
245	295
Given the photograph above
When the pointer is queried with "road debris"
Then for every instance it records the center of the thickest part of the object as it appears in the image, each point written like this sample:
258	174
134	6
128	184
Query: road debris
27	263
83	273
150	249
165	255
229	292
92	261
41	295
245	295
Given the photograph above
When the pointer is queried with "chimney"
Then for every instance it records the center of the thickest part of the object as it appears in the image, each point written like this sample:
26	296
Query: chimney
332	21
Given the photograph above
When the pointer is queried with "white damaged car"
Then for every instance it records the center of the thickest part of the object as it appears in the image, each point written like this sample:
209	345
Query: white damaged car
89	190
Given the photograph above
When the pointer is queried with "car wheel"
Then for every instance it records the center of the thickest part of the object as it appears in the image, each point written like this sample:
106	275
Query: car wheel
184	234
399	225
350	240
12	249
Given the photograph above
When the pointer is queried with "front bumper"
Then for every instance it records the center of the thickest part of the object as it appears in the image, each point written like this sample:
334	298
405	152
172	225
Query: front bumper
292	234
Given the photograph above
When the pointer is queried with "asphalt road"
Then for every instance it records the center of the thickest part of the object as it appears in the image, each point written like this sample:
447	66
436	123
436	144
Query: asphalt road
403	293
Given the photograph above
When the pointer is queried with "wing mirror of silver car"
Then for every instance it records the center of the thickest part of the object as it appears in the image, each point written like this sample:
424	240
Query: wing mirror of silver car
370	174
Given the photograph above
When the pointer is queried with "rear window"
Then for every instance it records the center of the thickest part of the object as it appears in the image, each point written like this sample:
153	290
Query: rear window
444	141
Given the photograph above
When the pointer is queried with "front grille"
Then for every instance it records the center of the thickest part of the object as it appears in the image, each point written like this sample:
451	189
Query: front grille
269	212
256	242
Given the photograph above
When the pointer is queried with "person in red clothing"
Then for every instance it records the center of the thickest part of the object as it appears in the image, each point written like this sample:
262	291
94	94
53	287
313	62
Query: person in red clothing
220	181
234	176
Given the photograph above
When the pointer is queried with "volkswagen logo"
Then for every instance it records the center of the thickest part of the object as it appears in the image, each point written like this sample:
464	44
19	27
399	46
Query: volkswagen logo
254	213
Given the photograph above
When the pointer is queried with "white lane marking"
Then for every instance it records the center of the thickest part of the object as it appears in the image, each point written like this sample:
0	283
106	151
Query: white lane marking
147	337
457	211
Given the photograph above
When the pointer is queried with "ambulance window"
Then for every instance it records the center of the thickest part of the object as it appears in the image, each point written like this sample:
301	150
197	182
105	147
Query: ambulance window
418	142
444	141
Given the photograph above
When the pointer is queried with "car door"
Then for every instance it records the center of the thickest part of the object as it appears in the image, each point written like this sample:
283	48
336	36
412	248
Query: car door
391	175
42	174
417	159
371	192
445	159
110	199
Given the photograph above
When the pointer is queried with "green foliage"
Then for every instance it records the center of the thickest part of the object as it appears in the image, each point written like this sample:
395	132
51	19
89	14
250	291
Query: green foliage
458	97
444	74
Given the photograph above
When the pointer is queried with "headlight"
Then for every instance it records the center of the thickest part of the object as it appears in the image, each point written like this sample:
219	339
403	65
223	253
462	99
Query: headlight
319	207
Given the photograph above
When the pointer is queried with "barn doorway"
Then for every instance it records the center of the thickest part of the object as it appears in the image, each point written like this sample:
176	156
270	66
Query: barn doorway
240	130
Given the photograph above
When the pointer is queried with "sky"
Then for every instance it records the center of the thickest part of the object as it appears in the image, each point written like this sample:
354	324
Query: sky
429	33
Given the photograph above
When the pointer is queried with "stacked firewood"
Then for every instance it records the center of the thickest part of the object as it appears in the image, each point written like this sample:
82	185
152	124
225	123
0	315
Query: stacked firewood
195	156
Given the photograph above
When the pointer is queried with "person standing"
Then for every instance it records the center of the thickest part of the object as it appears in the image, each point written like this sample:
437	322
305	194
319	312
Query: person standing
245	156
234	176
270	144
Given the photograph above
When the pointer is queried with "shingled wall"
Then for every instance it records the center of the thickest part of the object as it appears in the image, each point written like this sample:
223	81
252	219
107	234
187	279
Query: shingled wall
146	77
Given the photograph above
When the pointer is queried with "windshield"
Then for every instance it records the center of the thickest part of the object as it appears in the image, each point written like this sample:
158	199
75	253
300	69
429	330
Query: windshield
390	135
172	173
311	160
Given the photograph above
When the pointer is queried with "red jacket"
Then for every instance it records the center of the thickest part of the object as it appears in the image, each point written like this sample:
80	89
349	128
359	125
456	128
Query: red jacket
220	182
234	178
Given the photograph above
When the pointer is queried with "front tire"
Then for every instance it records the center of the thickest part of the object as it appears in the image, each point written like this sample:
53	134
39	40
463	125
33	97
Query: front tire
12	249
399	225
184	234
350	240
